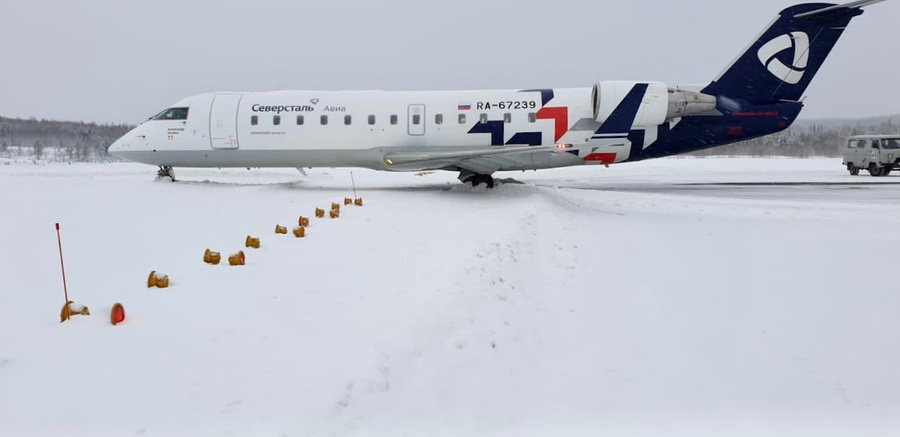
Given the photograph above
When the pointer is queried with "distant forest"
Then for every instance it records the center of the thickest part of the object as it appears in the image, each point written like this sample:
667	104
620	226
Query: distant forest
63	141
808	138
57	141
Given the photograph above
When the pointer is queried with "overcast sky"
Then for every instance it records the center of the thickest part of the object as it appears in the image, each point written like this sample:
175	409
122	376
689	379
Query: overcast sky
123	61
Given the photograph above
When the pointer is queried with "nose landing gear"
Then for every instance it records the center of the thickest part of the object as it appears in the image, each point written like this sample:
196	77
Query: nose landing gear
166	171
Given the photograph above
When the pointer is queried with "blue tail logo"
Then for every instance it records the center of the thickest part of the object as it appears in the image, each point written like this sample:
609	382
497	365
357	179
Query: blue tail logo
768	55
782	61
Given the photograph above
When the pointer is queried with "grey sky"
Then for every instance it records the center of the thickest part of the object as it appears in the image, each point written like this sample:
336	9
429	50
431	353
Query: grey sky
123	61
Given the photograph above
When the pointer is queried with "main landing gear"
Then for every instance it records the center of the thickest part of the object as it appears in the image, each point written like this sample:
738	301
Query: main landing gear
166	171
475	179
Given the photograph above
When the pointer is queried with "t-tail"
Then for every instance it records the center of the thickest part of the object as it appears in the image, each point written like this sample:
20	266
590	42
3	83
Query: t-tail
762	91
780	64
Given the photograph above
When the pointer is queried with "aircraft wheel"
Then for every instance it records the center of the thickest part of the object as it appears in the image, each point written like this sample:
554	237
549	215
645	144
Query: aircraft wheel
479	179
166	171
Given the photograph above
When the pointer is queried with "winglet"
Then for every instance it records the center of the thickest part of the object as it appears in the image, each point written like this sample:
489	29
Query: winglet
844	7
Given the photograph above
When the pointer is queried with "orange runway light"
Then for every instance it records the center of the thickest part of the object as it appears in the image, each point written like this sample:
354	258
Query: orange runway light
211	257
237	259
158	281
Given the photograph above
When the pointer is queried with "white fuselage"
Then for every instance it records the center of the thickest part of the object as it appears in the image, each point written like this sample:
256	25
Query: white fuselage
363	128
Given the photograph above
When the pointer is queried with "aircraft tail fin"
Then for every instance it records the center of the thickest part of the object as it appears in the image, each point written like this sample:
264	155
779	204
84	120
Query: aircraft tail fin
780	64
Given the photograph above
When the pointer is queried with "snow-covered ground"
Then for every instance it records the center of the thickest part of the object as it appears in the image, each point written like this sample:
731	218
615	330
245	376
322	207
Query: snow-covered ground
675	297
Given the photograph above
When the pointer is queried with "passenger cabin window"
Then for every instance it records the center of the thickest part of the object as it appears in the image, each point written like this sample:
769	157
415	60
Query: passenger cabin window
862	144
439	119
483	119
462	118
532	117
891	143
507	118
875	144
254	120
348	120
394	119
371	120
172	114
851	144
417	119
276	120
300	120
324	120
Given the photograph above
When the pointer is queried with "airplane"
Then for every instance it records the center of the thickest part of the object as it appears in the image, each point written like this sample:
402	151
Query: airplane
479	133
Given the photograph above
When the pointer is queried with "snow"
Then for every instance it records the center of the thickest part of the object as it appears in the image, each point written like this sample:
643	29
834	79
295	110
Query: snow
685	297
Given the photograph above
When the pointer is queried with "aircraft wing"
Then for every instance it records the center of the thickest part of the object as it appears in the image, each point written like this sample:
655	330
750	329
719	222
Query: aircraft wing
489	161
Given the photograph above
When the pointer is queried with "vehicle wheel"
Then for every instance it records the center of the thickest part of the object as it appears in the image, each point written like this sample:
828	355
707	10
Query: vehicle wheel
886	171
854	170
875	170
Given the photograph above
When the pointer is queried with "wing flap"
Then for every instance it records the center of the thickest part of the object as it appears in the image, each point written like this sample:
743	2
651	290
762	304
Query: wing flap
490	159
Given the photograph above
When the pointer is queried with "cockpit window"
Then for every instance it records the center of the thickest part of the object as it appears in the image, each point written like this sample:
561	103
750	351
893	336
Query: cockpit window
172	114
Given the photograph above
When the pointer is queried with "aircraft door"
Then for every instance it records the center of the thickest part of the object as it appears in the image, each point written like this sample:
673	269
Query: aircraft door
416	121
223	121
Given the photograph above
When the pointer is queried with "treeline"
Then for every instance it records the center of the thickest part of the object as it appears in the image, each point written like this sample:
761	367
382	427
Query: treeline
57	140
808	138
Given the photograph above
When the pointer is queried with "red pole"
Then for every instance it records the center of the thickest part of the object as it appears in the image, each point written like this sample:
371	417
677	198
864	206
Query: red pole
65	290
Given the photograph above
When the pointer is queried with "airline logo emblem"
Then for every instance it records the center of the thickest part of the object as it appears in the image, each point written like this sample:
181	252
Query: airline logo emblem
793	74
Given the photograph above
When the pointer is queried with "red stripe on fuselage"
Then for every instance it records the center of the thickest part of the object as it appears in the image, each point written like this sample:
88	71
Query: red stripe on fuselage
560	115
604	158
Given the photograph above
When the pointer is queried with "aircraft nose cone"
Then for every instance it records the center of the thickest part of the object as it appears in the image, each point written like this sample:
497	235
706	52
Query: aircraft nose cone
118	146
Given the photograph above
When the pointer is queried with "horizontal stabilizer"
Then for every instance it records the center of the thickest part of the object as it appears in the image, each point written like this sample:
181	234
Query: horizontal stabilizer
838	8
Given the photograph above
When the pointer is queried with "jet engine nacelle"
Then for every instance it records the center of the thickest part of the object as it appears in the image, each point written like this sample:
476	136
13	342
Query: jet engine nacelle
658	105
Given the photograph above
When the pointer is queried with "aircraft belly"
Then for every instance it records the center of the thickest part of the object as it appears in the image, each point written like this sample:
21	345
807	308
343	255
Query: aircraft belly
261	158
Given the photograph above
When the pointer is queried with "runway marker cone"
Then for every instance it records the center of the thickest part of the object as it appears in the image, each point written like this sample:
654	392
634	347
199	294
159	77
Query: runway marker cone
117	315
158	281
72	309
211	257
237	259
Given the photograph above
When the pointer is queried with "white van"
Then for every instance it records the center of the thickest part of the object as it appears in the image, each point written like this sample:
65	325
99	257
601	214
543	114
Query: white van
879	154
